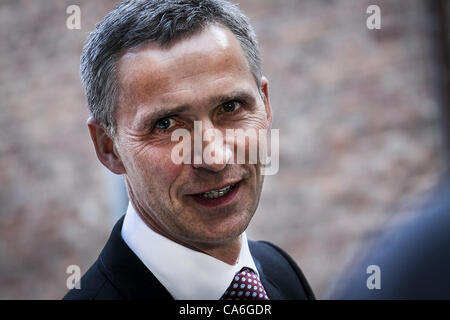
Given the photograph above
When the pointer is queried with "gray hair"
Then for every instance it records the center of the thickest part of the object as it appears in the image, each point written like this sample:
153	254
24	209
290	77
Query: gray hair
134	22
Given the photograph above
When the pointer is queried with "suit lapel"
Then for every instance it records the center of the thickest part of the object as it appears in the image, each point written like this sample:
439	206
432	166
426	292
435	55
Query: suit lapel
126	272
272	290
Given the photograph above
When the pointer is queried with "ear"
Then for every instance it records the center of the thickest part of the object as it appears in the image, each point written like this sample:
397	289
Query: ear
104	147
265	91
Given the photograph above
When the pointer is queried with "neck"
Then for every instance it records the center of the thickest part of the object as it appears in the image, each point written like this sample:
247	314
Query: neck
228	253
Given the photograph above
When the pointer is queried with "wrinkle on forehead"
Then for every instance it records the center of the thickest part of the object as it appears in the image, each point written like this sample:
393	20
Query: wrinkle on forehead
217	35
151	69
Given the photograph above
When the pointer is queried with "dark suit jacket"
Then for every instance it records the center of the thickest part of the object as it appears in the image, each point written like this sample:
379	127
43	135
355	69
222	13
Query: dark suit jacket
119	274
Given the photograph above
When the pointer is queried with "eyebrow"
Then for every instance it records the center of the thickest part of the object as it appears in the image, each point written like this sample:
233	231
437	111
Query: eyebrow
159	113
162	112
235	95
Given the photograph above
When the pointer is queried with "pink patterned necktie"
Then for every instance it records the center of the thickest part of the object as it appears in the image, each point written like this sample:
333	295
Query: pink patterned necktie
245	286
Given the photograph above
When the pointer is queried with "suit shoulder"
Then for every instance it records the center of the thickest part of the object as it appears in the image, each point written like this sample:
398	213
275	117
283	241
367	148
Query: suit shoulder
94	285
278	264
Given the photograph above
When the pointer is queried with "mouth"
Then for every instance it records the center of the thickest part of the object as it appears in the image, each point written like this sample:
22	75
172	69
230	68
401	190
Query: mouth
217	197
215	194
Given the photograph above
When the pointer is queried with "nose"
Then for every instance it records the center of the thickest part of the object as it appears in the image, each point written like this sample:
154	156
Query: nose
211	152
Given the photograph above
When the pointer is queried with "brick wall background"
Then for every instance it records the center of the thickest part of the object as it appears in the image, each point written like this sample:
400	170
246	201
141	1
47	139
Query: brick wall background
358	113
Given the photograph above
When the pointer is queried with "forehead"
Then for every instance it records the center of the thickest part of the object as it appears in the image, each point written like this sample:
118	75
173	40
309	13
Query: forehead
209	61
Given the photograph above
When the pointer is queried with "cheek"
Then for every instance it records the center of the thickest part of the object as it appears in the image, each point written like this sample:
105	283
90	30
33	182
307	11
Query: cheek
260	120
255	121
166	169
252	125
154	167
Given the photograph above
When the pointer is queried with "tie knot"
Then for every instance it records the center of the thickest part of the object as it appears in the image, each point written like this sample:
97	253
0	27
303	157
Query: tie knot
245	286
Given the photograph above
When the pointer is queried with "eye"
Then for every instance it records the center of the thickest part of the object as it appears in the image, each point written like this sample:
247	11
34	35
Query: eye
231	106
164	124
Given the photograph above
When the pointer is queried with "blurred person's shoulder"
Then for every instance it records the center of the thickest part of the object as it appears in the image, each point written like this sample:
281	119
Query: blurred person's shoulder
411	254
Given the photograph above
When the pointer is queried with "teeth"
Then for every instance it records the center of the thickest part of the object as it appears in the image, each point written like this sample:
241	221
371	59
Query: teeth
217	193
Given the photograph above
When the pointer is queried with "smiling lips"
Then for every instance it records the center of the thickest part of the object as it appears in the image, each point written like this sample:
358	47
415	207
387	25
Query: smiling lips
217	193
217	197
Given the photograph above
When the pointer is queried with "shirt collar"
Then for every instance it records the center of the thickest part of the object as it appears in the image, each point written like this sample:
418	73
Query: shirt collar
187	274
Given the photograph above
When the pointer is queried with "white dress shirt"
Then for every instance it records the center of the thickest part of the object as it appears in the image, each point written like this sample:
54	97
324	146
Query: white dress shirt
187	274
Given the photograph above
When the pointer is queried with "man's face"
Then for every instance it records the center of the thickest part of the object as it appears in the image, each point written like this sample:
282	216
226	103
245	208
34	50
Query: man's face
204	78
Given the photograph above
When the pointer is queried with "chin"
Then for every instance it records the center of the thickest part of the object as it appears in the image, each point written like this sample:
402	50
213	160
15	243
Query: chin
225	231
